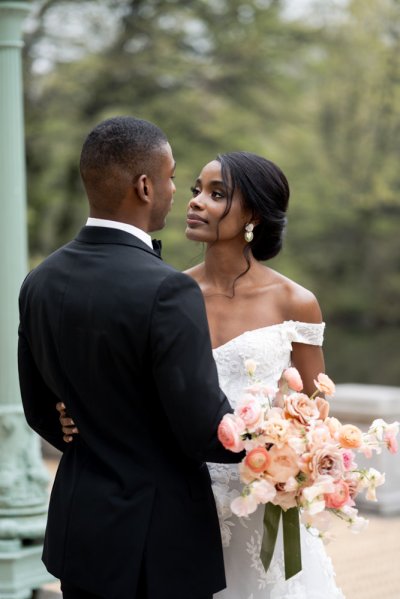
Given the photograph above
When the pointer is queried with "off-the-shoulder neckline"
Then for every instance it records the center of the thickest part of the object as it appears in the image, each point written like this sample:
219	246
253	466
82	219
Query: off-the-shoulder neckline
270	326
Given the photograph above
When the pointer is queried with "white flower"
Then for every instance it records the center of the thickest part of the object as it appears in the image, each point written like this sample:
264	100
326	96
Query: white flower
358	524
263	490
291	484
250	366
349	512
374	479
244	505
324	484
316	506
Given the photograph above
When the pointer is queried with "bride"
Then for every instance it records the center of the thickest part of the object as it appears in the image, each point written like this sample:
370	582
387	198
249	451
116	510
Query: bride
238	209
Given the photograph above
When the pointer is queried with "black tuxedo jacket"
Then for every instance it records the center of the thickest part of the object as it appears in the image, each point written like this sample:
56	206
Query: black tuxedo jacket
122	339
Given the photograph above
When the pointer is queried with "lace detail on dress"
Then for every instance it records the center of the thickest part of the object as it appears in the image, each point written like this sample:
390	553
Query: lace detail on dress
246	579
305	332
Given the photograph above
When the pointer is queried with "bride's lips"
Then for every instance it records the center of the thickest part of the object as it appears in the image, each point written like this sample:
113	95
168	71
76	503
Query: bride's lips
194	220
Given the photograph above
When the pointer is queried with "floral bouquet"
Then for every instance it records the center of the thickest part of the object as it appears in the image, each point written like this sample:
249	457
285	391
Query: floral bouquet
299	461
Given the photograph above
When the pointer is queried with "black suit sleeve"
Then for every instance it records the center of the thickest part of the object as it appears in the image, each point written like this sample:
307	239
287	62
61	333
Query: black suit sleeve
185	371
38	400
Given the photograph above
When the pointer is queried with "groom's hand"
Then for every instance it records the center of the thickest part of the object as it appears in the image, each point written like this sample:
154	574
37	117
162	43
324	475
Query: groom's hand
67	424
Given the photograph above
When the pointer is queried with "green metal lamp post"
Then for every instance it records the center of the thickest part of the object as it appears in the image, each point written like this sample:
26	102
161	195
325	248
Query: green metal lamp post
23	476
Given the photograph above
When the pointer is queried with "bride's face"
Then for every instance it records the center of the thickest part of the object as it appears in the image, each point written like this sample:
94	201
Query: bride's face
205	215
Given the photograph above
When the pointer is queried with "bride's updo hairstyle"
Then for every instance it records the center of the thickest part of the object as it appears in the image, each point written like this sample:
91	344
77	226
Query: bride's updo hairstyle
265	191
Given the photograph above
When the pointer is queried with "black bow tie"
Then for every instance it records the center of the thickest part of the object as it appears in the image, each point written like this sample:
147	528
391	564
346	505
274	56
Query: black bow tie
157	246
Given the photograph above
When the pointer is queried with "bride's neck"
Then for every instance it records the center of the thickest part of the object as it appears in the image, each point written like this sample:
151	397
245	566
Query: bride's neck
223	265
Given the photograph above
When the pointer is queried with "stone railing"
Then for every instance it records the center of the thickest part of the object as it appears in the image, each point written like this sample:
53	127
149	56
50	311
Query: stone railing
360	405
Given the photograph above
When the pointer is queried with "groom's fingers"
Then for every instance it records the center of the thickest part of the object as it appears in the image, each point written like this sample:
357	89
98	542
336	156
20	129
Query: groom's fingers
67	424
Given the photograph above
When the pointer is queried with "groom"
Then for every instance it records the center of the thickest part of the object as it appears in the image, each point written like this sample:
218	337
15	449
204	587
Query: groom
122	339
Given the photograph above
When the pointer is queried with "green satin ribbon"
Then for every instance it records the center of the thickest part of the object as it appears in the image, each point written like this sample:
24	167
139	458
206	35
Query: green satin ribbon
291	538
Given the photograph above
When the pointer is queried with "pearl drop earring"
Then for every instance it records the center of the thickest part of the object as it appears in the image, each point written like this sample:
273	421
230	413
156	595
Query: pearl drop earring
249	235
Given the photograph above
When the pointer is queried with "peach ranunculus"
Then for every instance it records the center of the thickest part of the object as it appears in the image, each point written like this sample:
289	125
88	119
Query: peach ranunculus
257	460
300	407
293	379
250	411
350	436
284	464
275	430
339	497
229	430
324	384
326	460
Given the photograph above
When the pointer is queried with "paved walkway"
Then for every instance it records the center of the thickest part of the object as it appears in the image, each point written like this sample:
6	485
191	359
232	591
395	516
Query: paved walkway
367	565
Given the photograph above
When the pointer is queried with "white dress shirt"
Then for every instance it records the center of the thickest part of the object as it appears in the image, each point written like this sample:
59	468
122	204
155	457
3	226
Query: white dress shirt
113	224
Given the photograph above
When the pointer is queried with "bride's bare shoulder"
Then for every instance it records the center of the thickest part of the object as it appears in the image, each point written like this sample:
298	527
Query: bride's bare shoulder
299	303
196	272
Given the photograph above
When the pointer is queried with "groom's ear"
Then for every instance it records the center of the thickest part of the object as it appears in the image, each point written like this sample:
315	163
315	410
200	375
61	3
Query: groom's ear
144	188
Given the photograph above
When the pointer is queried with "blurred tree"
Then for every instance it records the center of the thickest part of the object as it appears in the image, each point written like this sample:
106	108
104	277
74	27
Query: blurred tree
345	231
180	64
319	96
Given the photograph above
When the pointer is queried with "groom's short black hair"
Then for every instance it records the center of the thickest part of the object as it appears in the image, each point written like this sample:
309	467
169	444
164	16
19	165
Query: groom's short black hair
117	149
124	141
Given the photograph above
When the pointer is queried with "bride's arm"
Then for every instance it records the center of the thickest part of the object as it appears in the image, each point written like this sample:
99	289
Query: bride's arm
307	358
309	361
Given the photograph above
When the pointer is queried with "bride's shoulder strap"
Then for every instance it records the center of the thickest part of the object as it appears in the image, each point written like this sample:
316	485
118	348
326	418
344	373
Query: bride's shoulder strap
310	333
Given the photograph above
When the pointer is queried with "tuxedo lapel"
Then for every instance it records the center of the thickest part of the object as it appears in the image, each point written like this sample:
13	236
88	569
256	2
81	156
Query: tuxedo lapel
108	235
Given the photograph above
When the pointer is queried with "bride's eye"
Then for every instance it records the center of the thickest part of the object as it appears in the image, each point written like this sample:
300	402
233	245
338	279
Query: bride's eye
195	191
217	195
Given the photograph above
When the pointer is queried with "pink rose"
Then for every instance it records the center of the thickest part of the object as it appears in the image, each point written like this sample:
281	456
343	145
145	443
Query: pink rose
293	379
284	463
228	433
301	407
348	459
250	412
326	460
324	384
339	497
257	460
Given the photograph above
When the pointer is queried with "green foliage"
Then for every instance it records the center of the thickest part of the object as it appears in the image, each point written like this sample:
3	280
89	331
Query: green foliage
320	97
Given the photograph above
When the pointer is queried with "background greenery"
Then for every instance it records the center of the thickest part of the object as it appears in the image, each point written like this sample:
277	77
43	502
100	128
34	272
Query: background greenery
318	93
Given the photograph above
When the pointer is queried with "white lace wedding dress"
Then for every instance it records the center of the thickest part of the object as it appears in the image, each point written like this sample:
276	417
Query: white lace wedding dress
246	579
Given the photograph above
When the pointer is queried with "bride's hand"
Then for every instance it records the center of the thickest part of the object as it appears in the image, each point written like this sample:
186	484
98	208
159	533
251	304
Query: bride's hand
67	424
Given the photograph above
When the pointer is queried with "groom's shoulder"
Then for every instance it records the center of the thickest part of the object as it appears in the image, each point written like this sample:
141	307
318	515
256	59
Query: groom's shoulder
174	280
